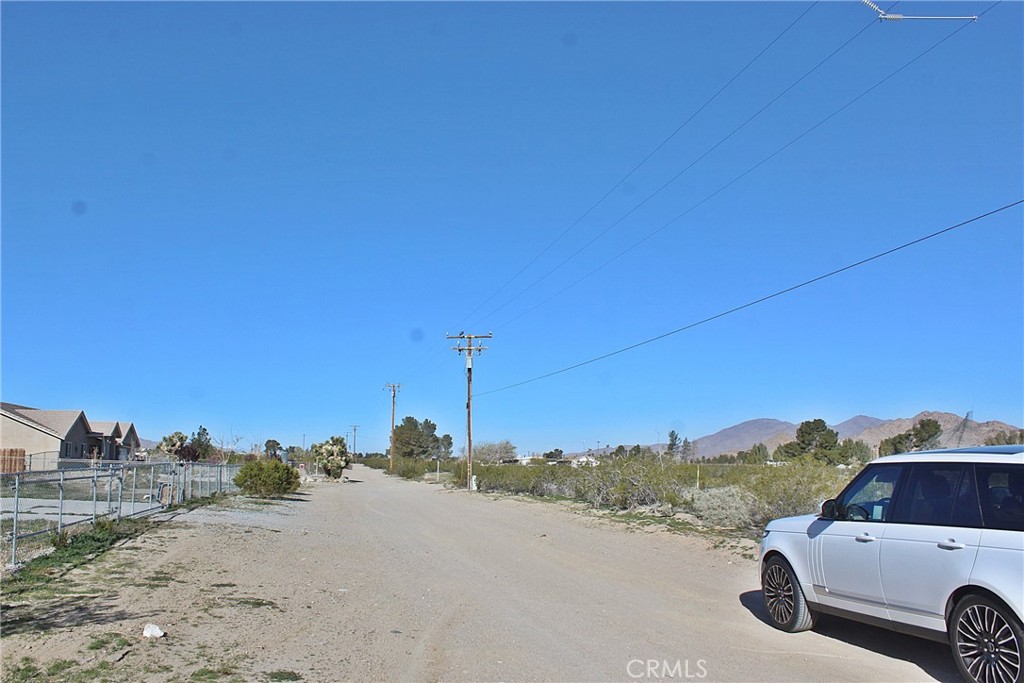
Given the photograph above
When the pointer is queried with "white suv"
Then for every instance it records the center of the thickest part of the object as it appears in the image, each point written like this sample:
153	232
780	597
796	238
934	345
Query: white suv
928	543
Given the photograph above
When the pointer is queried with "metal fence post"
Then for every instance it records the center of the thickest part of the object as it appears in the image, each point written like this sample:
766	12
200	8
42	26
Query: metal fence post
120	490
95	475
110	487
135	473
152	477
60	509
14	527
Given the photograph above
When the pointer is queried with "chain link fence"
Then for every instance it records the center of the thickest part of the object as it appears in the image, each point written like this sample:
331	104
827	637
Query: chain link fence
38	507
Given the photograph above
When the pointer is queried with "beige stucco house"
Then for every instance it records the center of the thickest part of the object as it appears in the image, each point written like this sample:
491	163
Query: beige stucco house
48	436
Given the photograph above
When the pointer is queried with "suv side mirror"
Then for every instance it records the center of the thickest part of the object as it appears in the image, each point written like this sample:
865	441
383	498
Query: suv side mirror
830	509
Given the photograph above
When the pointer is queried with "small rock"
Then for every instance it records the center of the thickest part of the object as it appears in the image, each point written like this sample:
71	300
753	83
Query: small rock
152	631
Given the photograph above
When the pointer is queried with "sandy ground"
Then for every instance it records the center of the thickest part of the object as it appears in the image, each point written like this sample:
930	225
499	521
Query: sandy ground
380	579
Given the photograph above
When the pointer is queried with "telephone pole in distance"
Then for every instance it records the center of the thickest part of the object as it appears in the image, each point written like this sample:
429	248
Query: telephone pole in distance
354	428
391	448
470	350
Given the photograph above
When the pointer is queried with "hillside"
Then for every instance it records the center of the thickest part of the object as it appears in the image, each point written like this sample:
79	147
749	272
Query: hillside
870	430
744	435
973	433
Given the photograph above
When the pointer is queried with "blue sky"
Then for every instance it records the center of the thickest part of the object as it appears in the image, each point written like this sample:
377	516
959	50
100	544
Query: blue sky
252	216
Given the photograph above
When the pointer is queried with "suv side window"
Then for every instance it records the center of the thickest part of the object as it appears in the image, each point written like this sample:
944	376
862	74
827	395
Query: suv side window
1001	490
868	497
928	496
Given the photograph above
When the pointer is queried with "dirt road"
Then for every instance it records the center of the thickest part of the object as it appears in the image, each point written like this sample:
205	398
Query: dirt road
380	579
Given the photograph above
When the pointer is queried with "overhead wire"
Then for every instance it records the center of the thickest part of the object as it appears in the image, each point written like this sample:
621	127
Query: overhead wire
636	167
622	180
693	163
761	300
739	177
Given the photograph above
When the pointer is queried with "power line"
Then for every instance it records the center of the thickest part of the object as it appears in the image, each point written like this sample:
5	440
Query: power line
619	183
739	177
678	175
630	173
763	299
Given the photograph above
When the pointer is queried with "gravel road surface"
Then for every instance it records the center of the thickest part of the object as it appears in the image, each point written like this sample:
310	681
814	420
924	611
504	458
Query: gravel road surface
380	579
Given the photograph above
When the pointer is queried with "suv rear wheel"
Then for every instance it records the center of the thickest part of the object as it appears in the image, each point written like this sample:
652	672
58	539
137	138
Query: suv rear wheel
987	641
783	598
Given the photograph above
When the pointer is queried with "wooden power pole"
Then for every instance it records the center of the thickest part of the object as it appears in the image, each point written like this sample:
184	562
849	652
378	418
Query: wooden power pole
391	448
470	350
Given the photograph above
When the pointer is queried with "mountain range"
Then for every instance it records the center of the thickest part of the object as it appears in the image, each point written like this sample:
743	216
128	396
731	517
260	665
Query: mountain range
957	431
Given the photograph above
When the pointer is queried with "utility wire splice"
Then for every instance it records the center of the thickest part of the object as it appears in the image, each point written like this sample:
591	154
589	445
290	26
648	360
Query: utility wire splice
886	16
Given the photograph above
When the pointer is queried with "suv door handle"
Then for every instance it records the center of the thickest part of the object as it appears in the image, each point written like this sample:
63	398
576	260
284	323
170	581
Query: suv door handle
864	538
951	545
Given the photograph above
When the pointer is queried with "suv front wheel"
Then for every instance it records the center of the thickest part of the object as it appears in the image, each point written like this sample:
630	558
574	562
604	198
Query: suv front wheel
987	641
783	598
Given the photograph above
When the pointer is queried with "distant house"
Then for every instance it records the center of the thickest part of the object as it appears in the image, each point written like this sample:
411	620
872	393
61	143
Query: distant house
130	442
48	436
104	439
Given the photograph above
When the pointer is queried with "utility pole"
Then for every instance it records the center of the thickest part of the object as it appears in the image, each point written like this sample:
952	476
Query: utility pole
391	448
469	349
354	428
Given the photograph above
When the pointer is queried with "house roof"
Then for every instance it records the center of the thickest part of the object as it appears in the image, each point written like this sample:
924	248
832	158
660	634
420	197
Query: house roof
55	422
129	435
108	429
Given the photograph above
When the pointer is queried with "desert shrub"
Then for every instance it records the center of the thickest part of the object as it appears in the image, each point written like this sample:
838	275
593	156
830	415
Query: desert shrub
376	463
413	468
724	506
458	479
630	483
410	468
734	496
267	478
793	489
534	480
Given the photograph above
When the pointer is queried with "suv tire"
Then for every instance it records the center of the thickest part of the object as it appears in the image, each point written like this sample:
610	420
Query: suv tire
987	641
783	598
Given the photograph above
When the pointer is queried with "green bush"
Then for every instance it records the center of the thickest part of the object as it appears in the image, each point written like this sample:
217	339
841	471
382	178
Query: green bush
267	479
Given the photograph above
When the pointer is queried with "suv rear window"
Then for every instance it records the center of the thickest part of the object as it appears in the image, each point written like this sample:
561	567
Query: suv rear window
1001	491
